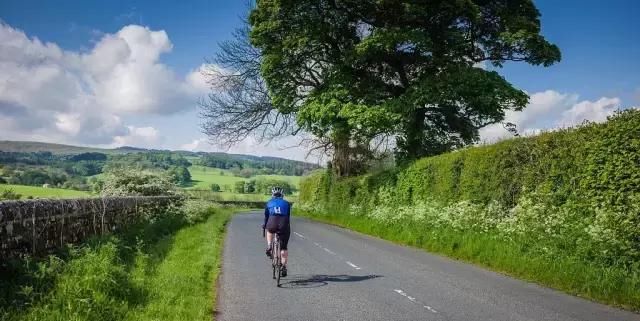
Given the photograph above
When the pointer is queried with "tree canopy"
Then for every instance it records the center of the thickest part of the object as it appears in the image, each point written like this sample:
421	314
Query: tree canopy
352	71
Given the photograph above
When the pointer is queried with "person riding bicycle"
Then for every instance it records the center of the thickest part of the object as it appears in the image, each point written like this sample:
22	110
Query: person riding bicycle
276	220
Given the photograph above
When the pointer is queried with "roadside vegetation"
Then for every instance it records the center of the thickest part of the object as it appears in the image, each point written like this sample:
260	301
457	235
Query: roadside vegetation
137	274
561	208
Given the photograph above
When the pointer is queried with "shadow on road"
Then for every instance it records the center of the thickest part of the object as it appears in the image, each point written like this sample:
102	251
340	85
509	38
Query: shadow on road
318	280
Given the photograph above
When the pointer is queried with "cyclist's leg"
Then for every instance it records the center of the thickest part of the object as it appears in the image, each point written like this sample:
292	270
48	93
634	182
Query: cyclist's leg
269	238
270	228
284	242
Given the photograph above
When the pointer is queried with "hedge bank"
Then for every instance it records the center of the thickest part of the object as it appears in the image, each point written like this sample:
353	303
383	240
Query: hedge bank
571	194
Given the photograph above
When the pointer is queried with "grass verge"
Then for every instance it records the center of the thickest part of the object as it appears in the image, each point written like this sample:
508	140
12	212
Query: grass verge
41	192
610	285
163	270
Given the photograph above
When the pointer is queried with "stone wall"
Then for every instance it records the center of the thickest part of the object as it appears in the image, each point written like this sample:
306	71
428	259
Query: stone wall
37	226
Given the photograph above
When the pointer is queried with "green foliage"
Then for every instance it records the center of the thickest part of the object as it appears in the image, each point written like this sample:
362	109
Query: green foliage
9	194
147	161
250	187
263	185
572	193
123	182
215	187
38	177
247	166
238	187
364	68
179	175
138	274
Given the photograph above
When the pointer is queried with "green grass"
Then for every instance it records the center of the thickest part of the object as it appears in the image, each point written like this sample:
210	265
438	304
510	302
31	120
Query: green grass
610	285
40	192
164	270
203	177
183	287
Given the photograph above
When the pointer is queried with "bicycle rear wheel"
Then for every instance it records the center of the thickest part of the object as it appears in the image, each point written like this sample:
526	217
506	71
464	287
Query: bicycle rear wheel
273	259
278	256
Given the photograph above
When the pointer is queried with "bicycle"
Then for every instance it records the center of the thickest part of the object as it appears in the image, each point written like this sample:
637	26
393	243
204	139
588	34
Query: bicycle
276	257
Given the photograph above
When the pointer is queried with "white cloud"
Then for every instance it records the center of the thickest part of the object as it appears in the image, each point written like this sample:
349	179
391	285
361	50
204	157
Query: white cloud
549	110
83	97
196	79
138	136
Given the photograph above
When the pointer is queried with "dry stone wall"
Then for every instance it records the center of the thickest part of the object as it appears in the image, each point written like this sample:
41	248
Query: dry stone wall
38	226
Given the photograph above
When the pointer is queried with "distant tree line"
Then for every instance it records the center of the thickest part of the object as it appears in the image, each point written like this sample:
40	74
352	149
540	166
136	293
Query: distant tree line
247	166
79	171
256	186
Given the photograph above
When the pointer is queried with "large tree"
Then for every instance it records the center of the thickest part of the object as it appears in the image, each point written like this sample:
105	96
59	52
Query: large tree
352	70
239	104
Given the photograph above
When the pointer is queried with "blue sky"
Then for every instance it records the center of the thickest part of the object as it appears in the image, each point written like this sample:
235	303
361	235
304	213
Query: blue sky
599	72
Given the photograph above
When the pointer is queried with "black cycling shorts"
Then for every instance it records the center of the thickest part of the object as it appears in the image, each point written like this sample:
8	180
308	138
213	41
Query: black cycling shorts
280	224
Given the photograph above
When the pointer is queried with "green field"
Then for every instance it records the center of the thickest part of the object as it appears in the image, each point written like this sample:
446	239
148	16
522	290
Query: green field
203	177
41	192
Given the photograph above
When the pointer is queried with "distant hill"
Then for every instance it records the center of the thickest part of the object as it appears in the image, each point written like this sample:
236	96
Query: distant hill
61	149
30	147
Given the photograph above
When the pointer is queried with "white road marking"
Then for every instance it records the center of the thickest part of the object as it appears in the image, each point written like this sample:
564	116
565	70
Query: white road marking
412	299
299	235
328	251
400	292
316	243
353	265
430	309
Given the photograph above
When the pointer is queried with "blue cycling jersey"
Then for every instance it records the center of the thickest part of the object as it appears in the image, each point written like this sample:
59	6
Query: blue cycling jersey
277	206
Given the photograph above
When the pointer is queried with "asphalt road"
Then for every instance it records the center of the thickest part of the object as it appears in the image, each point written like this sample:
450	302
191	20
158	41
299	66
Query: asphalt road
335	274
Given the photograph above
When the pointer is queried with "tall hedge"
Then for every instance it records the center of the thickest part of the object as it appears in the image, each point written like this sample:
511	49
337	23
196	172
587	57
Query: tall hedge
592	171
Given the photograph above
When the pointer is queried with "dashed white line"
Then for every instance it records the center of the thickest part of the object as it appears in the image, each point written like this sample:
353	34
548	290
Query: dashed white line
328	251
353	265
400	292
316	243
412	299
299	235
430	309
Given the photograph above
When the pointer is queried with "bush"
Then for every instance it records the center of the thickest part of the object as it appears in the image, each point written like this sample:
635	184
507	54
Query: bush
215	188
123	182
238	187
573	191
9	194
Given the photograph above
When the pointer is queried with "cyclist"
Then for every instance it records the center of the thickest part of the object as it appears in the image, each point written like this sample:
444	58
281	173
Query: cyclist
276	220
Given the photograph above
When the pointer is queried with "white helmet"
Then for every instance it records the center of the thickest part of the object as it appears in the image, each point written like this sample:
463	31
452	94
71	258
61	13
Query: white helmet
276	191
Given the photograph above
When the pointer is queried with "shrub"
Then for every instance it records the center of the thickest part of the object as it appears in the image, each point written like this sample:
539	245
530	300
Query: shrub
574	191
9	194
123	182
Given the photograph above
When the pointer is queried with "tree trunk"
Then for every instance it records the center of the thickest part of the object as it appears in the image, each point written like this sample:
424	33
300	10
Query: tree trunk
413	134
342	152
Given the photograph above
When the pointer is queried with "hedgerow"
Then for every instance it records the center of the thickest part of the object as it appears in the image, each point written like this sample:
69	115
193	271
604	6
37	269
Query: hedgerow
573	192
